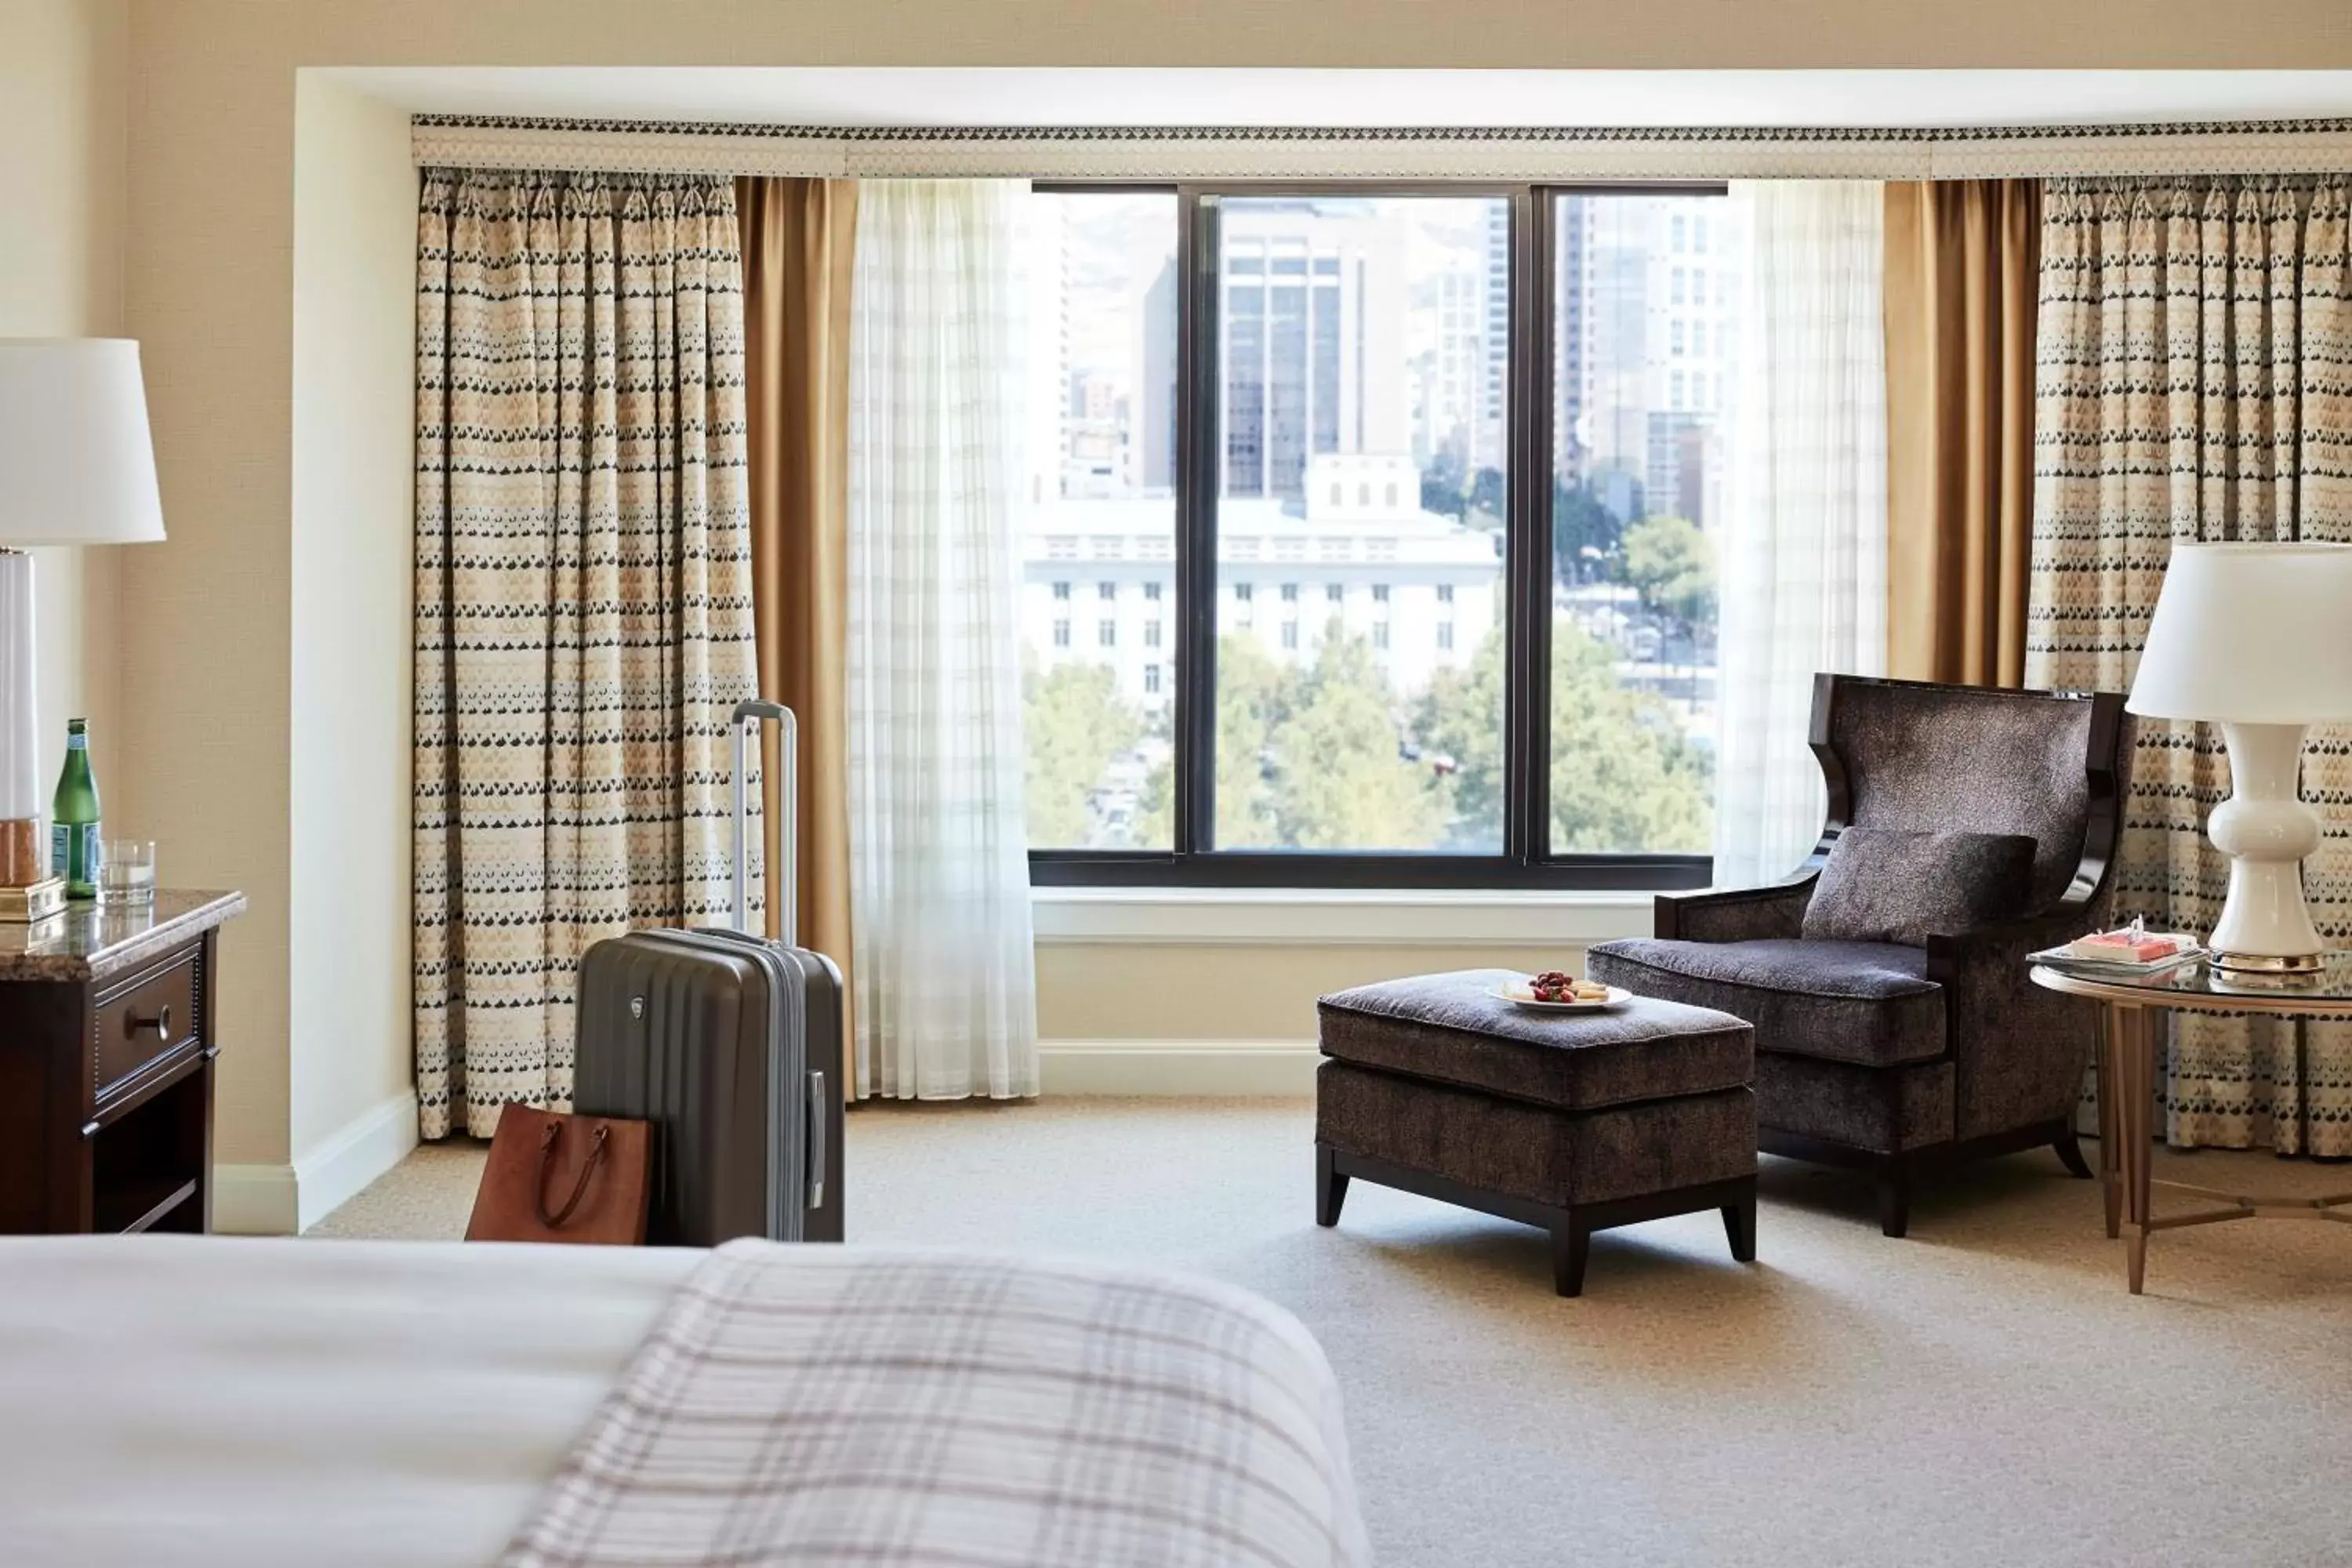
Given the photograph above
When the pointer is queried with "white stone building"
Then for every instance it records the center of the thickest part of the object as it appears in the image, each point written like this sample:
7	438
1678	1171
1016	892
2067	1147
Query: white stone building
1098	577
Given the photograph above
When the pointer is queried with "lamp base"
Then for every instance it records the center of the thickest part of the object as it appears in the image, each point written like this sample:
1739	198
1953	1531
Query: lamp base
30	905
23	859
2266	830
2268	964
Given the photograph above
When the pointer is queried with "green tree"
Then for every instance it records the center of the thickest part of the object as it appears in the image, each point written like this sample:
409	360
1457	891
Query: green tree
1624	778
1671	565
1075	723
1342	781
1255	695
1580	521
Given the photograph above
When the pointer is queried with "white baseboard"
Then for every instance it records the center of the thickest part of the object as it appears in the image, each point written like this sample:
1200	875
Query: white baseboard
286	1200
254	1200
1208	1068
334	1170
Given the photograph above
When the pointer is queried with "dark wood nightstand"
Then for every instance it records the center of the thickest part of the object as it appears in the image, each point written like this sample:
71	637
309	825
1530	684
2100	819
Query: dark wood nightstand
106	1066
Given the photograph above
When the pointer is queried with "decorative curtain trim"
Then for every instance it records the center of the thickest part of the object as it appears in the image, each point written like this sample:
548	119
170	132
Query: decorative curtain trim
584	605
2193	384
1520	153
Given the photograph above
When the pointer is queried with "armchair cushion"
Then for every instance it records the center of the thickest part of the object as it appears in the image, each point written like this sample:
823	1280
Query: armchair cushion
1891	885
1865	1002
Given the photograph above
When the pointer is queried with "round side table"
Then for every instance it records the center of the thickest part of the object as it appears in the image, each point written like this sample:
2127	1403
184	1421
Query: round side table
2128	1084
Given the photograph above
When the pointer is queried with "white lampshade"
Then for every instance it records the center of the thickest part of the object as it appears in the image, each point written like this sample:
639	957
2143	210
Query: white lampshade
2251	634
76	465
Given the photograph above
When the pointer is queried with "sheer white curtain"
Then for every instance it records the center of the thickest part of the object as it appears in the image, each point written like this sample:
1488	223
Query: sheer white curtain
946	997
1804	549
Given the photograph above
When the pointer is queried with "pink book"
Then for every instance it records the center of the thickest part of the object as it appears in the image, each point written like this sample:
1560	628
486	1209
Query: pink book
2132	945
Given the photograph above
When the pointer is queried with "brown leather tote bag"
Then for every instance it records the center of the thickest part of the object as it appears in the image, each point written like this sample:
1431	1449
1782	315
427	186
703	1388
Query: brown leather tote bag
553	1177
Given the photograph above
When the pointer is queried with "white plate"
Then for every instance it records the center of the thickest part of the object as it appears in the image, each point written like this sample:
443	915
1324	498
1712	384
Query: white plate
1618	996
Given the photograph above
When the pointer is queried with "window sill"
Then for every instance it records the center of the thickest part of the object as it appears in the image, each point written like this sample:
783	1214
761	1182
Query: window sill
1330	917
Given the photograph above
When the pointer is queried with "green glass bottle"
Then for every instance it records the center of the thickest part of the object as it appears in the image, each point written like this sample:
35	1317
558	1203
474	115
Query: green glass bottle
73	817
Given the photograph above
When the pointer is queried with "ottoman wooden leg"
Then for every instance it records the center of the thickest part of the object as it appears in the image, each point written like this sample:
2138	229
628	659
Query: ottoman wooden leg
1331	1187
1571	1244
1739	1225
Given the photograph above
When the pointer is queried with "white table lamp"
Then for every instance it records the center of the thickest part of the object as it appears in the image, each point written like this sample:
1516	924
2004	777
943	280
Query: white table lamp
75	468
2258	638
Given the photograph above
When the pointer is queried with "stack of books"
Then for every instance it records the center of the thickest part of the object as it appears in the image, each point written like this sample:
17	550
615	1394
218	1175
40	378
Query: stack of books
2133	950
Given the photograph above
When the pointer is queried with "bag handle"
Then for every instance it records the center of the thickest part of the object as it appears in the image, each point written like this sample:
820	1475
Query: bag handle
745	722
548	1137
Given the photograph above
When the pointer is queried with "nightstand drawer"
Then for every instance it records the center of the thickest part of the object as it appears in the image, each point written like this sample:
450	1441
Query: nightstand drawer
153	1015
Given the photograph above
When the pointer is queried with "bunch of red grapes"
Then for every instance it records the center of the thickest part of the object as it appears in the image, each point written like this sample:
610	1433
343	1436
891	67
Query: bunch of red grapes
1552	985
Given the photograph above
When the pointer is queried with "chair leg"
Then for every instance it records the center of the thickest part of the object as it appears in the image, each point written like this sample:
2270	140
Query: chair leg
1740	1225
1571	1244
1894	1199
1331	1187
2070	1155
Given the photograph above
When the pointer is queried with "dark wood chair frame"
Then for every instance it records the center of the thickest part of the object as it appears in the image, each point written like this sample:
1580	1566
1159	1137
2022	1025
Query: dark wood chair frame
1899	1174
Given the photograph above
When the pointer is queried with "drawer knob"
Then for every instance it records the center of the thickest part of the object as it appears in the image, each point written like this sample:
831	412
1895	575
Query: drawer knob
135	1026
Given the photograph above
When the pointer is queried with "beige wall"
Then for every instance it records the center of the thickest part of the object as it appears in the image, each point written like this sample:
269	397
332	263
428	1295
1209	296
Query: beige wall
208	624
354	477
1119	991
61	194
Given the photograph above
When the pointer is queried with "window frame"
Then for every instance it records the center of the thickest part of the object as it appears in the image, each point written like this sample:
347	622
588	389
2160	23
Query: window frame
1525	860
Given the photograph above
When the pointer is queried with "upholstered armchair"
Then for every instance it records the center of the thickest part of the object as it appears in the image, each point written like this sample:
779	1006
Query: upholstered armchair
1895	1056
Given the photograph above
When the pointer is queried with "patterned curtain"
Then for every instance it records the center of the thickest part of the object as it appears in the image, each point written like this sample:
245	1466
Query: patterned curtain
946	975
583	614
2195	382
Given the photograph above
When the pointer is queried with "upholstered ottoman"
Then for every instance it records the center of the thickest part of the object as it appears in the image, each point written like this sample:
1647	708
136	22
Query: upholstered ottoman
1571	1122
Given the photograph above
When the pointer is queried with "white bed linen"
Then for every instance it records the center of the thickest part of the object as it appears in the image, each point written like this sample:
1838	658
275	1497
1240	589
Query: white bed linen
192	1400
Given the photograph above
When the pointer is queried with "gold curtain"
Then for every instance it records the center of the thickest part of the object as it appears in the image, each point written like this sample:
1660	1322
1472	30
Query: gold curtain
799	238
1962	263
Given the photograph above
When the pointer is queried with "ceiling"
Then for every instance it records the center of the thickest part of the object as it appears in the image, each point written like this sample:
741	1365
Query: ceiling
1076	97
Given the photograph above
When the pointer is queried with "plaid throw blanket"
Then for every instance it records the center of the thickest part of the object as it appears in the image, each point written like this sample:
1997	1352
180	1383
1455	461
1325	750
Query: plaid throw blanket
801	1405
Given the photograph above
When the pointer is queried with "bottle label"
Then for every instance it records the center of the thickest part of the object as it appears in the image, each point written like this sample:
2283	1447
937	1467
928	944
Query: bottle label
73	853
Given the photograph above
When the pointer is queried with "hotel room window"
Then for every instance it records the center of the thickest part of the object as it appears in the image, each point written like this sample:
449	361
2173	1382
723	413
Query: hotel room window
1347	376
1100	438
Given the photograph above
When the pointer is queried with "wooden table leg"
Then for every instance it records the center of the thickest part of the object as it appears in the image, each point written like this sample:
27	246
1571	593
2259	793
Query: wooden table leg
2136	1082
2111	1187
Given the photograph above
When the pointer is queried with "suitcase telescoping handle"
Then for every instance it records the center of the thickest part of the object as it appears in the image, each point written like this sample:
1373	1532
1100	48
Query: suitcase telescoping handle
748	714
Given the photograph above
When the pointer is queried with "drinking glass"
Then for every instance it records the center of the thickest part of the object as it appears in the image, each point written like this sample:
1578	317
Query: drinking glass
126	872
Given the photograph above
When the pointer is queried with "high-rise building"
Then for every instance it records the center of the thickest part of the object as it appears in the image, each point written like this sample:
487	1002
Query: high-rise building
1491	437
1570	288
1658	341
1312	317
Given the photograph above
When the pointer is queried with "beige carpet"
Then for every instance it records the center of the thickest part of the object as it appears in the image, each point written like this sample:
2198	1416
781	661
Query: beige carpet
1985	1391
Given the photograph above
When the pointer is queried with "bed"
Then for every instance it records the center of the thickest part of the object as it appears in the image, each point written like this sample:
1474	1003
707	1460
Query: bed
170	1400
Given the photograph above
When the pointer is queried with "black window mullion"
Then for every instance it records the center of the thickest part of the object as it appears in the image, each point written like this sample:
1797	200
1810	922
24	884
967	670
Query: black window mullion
1528	567
1197	475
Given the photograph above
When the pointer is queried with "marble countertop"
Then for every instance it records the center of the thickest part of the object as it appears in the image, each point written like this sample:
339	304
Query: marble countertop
91	941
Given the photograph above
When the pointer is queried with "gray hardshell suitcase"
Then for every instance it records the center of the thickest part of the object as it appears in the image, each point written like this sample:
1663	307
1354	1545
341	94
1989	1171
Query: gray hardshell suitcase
730	1046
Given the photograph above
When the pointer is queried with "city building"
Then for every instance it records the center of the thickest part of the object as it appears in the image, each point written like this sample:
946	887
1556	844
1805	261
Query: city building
1313	318
1653	321
1098	577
